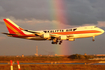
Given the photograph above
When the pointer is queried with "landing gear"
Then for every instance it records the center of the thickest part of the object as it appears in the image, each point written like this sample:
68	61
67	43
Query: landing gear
93	38
55	41
60	42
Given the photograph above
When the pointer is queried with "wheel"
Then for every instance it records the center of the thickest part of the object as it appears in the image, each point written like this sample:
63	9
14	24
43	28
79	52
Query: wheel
93	40
52	42
60	42
56	42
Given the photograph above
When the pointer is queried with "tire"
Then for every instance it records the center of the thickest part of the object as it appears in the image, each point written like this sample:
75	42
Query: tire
52	42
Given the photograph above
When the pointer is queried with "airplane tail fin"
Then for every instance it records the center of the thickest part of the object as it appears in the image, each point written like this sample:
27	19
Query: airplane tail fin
13	28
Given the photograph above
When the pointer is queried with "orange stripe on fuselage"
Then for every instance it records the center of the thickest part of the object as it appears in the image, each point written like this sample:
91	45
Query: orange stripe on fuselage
77	32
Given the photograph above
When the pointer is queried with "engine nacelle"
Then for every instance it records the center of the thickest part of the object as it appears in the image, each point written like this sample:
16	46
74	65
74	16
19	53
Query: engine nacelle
46	35
71	39
63	37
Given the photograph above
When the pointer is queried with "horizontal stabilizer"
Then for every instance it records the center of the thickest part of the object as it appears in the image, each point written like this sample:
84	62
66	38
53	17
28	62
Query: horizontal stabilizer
8	34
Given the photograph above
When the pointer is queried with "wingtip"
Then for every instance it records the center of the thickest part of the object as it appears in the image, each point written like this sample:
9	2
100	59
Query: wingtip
3	33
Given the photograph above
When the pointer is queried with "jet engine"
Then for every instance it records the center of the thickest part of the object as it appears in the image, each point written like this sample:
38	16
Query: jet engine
46	35
71	39
63	37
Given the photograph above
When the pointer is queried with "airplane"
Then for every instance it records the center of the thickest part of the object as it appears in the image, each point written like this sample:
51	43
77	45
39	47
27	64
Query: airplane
57	35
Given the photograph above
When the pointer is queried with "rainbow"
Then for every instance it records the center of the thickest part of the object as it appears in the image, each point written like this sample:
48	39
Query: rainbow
58	14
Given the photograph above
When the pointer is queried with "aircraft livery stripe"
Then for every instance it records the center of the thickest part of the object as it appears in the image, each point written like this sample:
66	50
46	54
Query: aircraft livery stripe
18	30
31	35
77	32
7	22
10	27
11	31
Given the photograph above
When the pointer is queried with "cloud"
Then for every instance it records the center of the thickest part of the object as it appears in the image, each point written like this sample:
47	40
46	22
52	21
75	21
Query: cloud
29	21
101	23
1	22
37	24
32	21
76	12
85	11
25	9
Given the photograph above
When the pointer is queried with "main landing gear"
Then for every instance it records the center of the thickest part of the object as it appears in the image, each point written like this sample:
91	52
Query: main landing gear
60	42
55	41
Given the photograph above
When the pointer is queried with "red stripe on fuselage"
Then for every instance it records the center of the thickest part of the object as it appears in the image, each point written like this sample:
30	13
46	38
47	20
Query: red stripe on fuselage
14	27
77	32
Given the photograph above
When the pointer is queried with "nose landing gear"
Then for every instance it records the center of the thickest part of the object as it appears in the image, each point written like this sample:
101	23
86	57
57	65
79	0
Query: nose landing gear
93	38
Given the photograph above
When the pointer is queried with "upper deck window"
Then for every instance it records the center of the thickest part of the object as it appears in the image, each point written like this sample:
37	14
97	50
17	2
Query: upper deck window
57	30
70	29
50	31
67	30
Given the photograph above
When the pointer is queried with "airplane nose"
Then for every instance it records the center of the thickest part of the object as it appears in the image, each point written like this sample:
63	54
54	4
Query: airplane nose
102	31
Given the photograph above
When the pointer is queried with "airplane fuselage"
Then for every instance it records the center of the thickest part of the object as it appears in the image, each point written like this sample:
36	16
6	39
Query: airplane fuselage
79	32
56	35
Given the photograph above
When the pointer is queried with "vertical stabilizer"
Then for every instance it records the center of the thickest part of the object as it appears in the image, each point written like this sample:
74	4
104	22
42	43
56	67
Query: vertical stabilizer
13	28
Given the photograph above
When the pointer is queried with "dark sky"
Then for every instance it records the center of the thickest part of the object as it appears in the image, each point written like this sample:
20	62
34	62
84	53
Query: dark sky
42	15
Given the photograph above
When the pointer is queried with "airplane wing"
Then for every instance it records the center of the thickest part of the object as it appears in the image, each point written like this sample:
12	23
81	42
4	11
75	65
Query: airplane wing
37	33
41	33
30	31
